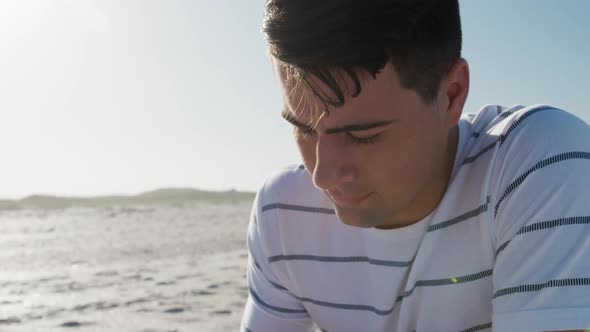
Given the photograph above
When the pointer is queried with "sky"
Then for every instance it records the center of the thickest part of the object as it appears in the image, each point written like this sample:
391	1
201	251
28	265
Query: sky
120	97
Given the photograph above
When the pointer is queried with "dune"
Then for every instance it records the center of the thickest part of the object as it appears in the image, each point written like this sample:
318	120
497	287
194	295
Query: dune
6	204
158	197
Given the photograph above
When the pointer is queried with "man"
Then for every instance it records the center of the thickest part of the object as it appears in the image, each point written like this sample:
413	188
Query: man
405	215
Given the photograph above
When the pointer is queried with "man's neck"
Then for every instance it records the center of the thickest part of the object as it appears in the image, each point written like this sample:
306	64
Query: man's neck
429	199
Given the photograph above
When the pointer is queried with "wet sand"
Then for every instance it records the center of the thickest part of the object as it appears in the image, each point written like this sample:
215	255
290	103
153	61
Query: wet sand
123	269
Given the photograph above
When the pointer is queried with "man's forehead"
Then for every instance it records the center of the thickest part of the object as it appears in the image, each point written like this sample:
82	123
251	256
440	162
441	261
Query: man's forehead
307	116
301	103
304	105
301	92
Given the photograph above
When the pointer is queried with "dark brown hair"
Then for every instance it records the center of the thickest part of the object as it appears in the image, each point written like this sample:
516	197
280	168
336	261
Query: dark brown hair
325	38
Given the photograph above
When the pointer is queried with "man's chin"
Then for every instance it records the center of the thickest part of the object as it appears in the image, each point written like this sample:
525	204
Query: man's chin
355	218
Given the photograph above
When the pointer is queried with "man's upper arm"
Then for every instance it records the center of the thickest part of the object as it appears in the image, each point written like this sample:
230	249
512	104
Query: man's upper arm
270	306
540	214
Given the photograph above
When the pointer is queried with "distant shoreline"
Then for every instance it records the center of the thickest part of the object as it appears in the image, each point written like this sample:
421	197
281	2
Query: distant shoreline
163	196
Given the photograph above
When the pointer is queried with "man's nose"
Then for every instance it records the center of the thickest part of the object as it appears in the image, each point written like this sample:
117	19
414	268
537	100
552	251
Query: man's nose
334	165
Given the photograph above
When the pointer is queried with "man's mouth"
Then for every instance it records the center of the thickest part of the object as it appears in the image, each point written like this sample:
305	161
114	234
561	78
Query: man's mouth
346	200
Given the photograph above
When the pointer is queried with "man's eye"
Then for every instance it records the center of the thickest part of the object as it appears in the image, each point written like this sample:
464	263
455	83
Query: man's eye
362	140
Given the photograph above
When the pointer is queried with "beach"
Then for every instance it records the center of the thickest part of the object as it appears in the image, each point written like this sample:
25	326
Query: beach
144	269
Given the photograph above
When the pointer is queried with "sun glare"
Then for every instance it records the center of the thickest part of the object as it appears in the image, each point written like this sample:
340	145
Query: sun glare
20	15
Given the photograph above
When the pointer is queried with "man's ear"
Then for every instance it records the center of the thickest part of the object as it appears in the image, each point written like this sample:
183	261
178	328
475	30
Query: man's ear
454	91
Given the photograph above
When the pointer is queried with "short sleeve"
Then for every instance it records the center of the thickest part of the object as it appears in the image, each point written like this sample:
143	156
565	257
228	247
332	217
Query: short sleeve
540	216
270	306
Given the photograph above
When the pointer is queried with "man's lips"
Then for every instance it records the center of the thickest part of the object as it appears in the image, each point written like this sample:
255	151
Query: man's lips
347	200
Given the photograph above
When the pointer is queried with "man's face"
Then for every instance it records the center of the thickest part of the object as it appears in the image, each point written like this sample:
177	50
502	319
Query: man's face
383	158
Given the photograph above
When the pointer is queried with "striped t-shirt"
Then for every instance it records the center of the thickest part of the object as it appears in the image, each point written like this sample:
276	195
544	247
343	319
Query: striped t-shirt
507	249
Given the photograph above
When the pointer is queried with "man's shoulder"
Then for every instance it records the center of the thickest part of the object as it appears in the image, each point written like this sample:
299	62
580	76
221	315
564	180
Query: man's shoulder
530	134
509	143
290	185
287	209
537	145
534	131
521	124
287	177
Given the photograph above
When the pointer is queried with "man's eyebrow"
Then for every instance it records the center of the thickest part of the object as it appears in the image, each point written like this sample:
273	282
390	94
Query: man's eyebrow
354	127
